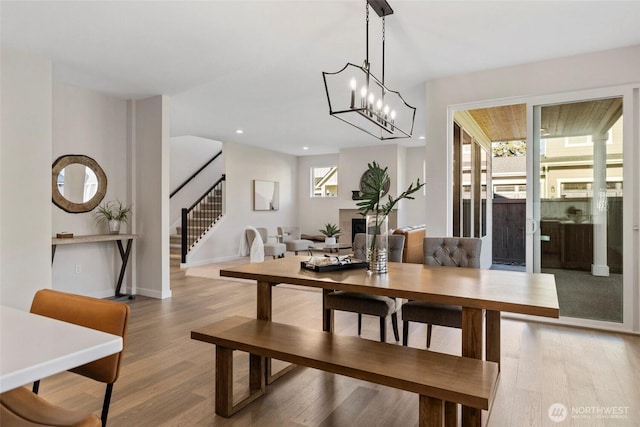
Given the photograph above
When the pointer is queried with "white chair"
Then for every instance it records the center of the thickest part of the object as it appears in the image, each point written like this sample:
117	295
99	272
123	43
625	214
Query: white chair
276	250
292	237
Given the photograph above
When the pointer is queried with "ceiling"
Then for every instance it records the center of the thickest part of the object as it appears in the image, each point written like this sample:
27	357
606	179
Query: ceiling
509	122
256	65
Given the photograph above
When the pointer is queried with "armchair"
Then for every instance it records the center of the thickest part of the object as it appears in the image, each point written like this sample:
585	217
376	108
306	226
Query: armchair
291	237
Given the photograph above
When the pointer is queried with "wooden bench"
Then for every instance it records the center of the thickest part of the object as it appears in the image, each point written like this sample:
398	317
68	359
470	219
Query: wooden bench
436	377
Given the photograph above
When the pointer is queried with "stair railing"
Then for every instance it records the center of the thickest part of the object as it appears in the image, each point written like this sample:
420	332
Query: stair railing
196	220
194	174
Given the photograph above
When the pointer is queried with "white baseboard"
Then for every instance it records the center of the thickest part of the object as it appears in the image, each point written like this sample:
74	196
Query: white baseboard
153	293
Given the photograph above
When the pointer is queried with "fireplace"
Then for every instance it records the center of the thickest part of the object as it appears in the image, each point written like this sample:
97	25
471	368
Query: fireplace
348	217
358	225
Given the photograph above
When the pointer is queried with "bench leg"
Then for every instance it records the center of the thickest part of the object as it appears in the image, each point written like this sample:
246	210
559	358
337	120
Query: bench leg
431	412
450	414
224	381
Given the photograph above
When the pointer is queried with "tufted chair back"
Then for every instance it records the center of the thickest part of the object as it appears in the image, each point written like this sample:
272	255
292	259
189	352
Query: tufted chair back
396	246
452	251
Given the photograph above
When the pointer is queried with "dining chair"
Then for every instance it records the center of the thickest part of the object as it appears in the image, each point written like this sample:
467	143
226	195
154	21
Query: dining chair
373	305
103	315
438	251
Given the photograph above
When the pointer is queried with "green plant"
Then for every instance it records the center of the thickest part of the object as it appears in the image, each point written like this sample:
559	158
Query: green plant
330	230
113	210
372	201
373	188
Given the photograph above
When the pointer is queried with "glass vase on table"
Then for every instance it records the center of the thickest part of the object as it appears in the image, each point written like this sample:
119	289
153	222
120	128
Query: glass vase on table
377	243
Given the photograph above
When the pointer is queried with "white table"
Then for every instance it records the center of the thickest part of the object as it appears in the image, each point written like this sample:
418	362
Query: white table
33	347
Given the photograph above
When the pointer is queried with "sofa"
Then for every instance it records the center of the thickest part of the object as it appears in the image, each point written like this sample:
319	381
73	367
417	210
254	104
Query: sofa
413	242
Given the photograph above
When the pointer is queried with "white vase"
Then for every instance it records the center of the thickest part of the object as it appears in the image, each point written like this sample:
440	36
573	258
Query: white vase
329	240
377	241
114	226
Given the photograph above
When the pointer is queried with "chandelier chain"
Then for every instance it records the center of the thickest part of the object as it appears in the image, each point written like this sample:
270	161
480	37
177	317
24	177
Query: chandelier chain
383	37
366	62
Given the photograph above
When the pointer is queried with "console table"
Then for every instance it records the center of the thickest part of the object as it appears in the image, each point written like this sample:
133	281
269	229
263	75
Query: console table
96	238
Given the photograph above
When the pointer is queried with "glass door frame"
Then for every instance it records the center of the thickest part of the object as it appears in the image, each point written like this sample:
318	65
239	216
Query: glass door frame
631	207
631	193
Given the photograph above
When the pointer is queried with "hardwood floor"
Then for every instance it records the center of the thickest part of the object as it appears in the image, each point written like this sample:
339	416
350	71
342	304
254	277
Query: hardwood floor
167	379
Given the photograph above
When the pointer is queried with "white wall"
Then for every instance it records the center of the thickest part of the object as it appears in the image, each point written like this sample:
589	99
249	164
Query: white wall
25	178
150	141
354	162
95	125
243	164
413	212
187	154
316	212
599	69
405	166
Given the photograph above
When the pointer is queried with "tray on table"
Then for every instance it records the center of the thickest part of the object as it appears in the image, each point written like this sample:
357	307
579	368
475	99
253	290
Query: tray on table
354	263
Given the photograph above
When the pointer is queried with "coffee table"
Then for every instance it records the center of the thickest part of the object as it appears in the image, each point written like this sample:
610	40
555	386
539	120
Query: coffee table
324	248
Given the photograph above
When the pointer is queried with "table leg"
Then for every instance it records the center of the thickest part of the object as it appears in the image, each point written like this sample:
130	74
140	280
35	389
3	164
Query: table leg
471	347
264	312
492	348
327	318
124	255
264	300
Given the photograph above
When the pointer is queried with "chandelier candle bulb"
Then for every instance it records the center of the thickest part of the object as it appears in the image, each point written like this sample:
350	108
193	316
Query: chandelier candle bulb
363	97
353	92
371	99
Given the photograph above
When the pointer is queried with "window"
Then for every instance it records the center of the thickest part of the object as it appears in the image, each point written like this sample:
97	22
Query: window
324	181
472	168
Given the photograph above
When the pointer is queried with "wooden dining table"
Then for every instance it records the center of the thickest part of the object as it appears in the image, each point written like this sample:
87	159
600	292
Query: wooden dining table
33	347
482	294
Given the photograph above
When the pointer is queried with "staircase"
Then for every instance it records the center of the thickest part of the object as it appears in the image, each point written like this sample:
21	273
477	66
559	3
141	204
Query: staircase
200	219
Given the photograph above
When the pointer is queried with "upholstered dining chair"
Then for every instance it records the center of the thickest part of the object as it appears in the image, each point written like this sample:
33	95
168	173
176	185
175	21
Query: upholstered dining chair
373	305
292	238
22	407
447	251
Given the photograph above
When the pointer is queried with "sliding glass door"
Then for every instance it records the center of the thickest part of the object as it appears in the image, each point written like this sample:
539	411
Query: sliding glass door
575	226
562	184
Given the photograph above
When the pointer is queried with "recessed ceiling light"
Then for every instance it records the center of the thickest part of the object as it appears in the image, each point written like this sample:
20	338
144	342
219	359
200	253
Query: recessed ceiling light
305	148
239	131
421	137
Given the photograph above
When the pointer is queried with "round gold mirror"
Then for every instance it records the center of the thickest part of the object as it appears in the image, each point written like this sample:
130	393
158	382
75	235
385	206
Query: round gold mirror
78	183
